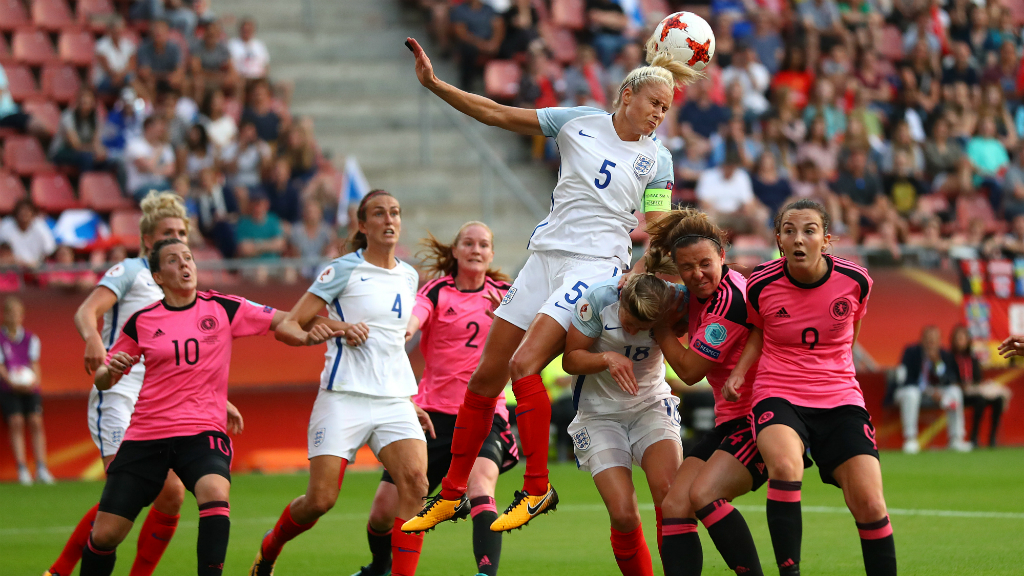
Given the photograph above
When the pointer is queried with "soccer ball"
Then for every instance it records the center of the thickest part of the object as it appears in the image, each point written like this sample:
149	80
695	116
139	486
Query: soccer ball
22	377
687	37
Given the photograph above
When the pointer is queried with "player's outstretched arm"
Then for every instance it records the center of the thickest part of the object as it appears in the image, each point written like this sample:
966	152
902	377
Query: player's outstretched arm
518	120
689	366
109	374
87	318
751	354
1012	346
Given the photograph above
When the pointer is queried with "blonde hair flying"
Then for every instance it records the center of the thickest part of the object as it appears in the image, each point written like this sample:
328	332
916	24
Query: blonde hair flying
645	294
438	258
663	69
155	207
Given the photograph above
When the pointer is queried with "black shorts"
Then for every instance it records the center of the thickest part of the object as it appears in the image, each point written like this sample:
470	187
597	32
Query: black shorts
138	472
12	403
832	435
18	121
735	437
499	447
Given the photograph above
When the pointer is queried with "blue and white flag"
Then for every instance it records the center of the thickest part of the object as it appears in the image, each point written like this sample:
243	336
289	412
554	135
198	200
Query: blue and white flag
79	228
353	187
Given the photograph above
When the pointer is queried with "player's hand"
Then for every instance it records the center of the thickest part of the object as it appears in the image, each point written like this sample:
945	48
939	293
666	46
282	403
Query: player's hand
235	422
356	334
425	422
495	299
424	69
731	389
621	370
122	362
95	354
676	309
1012	346
321	333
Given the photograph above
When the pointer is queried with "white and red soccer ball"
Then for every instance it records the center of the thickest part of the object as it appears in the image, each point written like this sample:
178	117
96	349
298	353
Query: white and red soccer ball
687	37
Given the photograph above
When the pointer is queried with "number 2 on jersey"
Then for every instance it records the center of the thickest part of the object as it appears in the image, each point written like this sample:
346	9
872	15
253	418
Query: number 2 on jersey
476	332
607	175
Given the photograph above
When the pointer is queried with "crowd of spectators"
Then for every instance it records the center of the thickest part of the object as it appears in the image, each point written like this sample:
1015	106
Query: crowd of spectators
169	102
902	116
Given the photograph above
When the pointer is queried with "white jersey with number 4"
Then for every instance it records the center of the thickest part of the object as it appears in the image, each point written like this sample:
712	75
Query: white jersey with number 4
597	316
602	181
357	291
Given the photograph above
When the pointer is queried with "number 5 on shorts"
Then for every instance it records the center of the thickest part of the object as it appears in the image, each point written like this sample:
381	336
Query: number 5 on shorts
578	288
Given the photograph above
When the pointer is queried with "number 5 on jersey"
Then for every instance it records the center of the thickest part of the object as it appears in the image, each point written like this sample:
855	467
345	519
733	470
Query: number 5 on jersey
606	174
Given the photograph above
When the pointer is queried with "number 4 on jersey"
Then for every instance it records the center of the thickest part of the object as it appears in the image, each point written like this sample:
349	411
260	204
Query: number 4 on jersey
397	307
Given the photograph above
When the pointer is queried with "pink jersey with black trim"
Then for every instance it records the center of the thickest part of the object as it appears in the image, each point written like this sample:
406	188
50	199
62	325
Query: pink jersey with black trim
718	331
188	354
808	333
454	326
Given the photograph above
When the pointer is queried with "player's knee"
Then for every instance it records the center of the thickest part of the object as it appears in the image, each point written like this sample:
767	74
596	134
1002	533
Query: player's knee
867	507
702	494
624	517
786	470
522	365
677	504
660	488
16	422
321	503
484	382
171	498
35	421
105	537
412	483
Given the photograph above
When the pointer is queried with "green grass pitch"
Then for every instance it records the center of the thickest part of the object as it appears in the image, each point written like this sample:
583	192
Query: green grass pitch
952	514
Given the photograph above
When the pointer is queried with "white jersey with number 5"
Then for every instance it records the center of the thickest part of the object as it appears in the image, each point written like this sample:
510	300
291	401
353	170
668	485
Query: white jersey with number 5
357	291
597	316
602	181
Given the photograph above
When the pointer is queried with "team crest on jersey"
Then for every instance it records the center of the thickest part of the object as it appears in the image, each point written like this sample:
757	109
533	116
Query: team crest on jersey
207	323
318	437
116	271
586	310
840	308
509	295
642	165
326	276
715	334
581	439
117	436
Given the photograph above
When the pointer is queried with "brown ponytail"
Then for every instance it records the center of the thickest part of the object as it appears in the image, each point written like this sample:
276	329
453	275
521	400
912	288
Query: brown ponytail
438	259
682	228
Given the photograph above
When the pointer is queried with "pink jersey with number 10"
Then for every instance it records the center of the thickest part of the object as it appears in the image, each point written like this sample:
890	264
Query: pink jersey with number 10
188	354
808	333
455	325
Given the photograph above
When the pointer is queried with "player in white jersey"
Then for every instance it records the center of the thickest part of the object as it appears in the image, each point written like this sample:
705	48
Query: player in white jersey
366	385
626	412
125	289
612	166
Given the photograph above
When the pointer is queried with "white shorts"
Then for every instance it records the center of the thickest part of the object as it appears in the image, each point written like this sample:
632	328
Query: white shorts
550	283
603	441
109	415
342	422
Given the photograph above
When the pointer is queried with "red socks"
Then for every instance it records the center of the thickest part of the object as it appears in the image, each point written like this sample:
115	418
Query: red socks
405	550
472	425
72	552
533	415
657	519
285	530
154	537
631	553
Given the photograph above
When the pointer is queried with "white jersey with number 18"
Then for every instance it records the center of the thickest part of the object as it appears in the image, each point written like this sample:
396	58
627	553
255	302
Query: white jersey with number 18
602	181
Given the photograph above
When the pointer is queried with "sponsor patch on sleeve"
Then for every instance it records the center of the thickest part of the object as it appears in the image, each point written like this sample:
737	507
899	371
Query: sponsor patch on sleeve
326	276
116	271
707	350
584	309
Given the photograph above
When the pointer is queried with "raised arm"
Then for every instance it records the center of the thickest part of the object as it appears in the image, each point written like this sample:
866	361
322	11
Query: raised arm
519	120
688	365
751	353
87	323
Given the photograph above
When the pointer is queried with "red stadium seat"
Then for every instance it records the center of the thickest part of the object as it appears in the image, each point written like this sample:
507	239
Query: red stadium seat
562	44
568	14
5	49
541	6
52	192
24	156
93	13
76	47
11	191
100	191
52	15
125	225
20	81
12	15
60	82
32	47
501	79
892	44
652	8
749	244
1017	9
45	111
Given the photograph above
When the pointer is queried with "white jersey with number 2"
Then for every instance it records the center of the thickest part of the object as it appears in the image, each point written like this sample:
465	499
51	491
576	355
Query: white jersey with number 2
602	181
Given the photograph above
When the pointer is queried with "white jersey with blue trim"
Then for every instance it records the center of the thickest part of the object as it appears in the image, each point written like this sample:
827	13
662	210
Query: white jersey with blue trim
601	183
597	316
357	291
132	282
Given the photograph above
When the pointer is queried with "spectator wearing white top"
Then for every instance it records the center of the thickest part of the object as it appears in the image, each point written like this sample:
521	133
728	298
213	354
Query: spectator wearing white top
245	160
726	193
27	234
115	60
752	76
150	160
220	126
248	53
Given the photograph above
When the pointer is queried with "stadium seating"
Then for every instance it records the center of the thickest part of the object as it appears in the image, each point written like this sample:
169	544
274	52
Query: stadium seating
12	15
561	41
892	43
100	191
568	14
11	190
45	111
93	13
5	49
24	156
60	82
32	47
52	15
20	82
52	192
501	79
76	47
125	225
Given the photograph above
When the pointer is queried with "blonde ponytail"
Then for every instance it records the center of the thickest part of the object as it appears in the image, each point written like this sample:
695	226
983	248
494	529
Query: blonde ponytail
663	69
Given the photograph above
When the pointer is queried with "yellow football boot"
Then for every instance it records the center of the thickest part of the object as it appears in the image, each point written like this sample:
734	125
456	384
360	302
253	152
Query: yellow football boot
261	567
435	511
524	508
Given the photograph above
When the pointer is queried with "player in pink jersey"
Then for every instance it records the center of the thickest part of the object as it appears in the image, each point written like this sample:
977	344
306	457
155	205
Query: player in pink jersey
454	313
725	464
180	420
806	309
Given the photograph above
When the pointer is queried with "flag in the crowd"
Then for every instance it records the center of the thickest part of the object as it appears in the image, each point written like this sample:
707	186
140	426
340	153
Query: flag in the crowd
79	228
633	11
353	187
